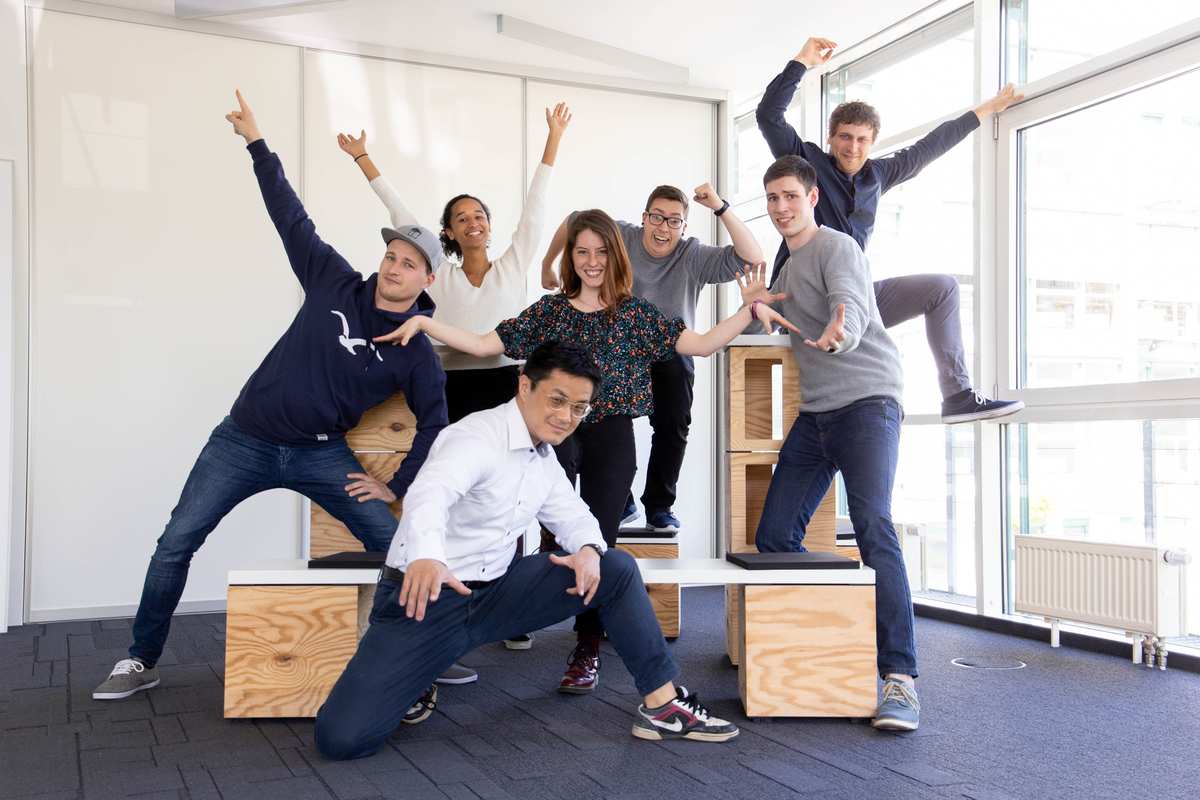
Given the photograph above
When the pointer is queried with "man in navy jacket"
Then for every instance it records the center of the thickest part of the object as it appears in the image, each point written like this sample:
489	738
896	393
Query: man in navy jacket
287	427
850	184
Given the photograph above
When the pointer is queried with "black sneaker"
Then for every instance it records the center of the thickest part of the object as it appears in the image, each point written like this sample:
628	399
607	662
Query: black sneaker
423	707
969	406
682	718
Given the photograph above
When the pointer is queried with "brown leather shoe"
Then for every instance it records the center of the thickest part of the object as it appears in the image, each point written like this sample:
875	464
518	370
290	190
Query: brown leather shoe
583	670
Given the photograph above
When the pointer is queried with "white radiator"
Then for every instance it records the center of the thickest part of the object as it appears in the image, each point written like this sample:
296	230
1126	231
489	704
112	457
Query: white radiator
1136	589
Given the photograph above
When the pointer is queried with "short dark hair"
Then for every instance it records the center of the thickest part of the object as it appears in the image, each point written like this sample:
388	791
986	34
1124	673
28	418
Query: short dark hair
665	192
792	165
565	356
855	112
449	246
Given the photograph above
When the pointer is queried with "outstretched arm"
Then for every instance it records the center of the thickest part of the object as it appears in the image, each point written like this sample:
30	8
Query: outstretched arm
780	135
311	258
357	149
521	252
476	344
755	298
387	194
721	264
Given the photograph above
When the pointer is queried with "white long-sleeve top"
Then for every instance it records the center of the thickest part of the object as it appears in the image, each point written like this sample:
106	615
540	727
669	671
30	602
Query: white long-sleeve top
505	288
481	485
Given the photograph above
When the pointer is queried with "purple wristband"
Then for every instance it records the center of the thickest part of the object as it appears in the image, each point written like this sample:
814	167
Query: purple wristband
754	311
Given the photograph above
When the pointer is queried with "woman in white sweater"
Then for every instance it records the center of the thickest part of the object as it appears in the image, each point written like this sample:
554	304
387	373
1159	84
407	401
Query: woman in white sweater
473	291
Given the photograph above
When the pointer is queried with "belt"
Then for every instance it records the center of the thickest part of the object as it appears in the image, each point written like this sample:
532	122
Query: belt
397	576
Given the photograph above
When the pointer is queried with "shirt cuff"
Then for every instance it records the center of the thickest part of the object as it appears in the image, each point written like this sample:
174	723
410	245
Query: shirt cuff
258	149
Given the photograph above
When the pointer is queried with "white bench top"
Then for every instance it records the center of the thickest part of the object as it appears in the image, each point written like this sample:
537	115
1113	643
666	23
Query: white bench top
293	572
761	340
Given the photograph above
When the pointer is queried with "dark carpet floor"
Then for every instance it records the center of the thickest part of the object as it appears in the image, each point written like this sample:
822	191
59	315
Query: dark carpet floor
1072	724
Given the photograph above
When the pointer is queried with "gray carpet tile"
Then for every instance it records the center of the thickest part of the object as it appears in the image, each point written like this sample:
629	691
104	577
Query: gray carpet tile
1072	724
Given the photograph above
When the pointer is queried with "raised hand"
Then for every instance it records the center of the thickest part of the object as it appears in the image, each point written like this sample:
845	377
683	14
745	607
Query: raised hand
1005	98
817	50
351	146
404	334
558	119
422	584
834	333
752	281
243	121
707	196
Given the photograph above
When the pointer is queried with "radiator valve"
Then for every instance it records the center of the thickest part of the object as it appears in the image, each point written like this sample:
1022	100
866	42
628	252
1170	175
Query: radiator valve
1162	655
1148	651
1177	557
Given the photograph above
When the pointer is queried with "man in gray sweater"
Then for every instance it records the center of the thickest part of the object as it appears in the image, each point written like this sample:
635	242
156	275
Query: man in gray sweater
850	392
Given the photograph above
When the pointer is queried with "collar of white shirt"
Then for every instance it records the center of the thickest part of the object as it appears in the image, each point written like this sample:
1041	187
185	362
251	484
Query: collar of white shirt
518	431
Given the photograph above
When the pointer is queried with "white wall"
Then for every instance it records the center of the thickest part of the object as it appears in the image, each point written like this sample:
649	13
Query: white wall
158	283
6	372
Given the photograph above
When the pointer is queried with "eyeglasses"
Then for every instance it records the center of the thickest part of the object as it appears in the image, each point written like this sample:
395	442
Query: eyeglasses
674	223
578	410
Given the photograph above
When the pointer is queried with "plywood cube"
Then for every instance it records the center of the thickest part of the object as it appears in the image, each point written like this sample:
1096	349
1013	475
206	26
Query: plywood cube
752	396
749	479
807	651
388	427
664	597
325	534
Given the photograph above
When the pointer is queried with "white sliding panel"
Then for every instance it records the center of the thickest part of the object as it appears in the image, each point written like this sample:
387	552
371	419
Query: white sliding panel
619	147
433	132
158	286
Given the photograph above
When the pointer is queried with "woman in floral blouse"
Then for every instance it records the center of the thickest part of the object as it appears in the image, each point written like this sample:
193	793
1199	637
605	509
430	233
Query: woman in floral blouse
625	335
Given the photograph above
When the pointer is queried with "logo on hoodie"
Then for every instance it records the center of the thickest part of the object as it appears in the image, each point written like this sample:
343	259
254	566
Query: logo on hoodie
345	341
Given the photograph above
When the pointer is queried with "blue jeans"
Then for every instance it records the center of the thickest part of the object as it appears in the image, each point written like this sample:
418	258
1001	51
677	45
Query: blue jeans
233	466
399	658
863	441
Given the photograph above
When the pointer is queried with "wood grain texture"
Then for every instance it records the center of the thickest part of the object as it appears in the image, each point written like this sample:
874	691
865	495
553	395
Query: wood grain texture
389	427
751	396
733	623
749	479
285	647
664	597
325	534
807	651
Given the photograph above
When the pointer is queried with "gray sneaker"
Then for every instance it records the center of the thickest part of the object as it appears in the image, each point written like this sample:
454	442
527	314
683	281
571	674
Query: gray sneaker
458	674
899	710
128	677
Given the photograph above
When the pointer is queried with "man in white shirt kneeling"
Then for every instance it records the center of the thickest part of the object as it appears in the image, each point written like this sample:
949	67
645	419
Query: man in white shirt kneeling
453	582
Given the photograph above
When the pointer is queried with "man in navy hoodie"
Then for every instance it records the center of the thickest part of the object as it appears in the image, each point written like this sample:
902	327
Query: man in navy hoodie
287	427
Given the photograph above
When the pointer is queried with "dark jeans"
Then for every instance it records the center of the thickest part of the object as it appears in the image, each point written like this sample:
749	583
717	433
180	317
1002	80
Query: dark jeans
399	658
936	297
471	390
233	466
863	441
671	383
603	457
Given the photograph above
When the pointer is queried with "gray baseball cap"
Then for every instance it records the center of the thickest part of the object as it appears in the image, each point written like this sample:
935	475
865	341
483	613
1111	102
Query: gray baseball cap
421	238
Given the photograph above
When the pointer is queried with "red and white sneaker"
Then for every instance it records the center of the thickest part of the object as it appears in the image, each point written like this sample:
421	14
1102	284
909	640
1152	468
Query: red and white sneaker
685	717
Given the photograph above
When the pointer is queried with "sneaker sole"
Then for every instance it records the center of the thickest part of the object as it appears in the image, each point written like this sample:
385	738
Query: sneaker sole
893	725
457	681
123	695
696	736
518	645
579	689
628	521
671	528
976	416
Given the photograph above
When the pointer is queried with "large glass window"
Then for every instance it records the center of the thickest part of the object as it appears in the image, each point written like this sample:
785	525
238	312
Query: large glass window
1116	482
1045	36
1110	244
898	79
751	157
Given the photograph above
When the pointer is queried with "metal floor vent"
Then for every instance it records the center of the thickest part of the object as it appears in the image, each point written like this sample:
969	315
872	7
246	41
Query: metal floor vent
970	662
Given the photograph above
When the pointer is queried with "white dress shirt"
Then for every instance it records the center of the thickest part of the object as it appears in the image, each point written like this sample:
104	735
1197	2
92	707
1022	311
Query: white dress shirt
481	485
504	292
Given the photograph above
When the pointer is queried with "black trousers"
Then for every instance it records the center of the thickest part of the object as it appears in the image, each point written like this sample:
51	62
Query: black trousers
603	457
471	390
671	383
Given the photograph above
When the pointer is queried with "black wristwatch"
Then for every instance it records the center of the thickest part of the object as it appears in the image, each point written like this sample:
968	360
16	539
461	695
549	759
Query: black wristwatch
595	547
724	207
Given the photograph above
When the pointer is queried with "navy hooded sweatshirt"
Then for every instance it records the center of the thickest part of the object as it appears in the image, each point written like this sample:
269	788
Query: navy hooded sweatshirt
324	372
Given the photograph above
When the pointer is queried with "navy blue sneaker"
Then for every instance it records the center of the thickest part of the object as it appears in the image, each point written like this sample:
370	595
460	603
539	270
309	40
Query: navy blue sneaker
662	520
630	514
969	406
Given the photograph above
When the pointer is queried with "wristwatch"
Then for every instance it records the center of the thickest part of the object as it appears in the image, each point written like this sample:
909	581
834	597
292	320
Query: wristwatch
595	547
724	207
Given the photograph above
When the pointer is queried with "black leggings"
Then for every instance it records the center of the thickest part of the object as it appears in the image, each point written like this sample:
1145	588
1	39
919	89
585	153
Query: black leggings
471	390
603	457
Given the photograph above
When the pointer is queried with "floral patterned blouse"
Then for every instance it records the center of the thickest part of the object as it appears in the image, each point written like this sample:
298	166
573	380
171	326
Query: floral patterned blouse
623	345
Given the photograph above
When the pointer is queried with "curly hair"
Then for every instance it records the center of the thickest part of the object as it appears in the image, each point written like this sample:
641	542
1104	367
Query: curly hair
449	246
855	112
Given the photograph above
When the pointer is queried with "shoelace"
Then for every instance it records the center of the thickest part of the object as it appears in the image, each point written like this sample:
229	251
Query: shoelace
980	400
126	666
692	703
900	692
